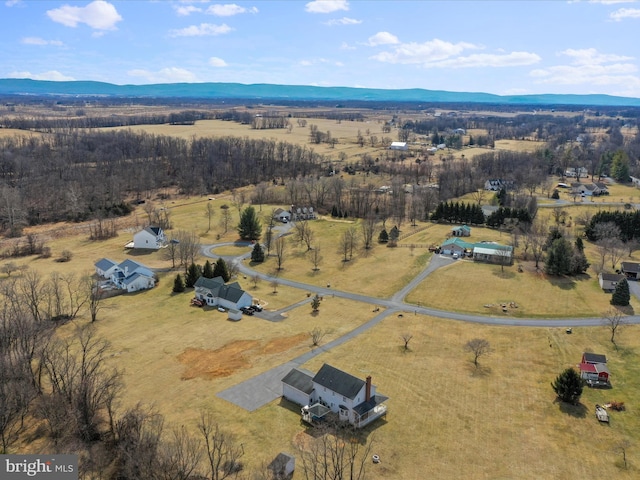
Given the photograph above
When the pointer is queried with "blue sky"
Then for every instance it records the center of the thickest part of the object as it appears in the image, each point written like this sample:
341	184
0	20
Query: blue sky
502	47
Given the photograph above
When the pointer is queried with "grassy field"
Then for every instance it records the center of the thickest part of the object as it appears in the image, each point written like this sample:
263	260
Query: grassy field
176	357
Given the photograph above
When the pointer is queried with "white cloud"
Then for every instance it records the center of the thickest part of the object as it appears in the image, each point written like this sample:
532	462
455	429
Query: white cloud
165	75
217	62
52	75
346	46
229	10
589	67
588	56
513	59
435	50
201	30
305	63
11	3
383	38
186	10
41	41
326	6
98	14
611	2
343	21
623	13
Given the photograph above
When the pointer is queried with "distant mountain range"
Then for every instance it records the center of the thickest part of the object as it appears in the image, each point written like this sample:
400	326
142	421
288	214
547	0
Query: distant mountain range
11	86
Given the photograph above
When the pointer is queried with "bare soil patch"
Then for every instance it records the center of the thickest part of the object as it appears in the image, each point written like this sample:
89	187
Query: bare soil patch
232	357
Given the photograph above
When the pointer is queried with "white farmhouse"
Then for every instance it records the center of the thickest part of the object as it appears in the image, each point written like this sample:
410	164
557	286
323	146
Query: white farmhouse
151	238
215	293
399	146
331	390
128	275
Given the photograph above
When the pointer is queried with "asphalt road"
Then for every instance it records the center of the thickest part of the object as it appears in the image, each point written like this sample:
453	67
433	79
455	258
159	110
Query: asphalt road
266	387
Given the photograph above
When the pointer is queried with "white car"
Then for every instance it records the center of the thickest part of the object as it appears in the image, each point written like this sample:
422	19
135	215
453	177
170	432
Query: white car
221	309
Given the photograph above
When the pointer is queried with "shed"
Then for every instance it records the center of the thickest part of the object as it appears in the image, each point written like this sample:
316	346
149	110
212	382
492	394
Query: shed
282	466
608	281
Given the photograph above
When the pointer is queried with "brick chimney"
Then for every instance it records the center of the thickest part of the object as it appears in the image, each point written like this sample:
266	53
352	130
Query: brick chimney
367	391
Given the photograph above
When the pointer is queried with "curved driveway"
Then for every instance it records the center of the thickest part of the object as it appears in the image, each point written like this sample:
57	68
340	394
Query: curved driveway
266	387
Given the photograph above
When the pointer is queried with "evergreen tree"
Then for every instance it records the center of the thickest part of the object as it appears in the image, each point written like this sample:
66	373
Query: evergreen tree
620	166
621	295
579	262
568	386
178	284
207	271
249	227
315	303
579	244
334	211
220	270
383	237
194	272
559	257
394	234
257	254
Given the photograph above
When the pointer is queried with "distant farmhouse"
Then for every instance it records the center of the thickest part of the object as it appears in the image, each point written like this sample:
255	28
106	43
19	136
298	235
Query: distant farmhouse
151	238
333	391
589	189
295	214
497	184
399	146
128	275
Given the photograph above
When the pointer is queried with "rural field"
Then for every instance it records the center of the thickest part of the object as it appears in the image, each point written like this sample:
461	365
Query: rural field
500	417
447	418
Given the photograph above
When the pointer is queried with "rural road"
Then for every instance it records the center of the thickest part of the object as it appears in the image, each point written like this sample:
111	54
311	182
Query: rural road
266	387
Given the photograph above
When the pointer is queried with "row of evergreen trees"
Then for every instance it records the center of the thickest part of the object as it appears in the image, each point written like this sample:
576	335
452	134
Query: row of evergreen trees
195	271
497	218
627	222
458	213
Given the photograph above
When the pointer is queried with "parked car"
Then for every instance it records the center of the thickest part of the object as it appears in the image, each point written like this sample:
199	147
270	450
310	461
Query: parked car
247	311
197	302
221	309
257	308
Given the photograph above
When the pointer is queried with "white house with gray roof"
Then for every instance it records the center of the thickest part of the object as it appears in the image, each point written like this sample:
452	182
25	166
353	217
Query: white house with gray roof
128	275
215	293
151	238
331	390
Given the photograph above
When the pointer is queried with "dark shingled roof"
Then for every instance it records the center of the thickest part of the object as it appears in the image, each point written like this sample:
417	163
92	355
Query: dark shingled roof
594	358
300	380
338	381
210	283
365	407
632	267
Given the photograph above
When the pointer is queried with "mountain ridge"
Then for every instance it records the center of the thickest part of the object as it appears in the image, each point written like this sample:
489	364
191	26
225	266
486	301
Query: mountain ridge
10	86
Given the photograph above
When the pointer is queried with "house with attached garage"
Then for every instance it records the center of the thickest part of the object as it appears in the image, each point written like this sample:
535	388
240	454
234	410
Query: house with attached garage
128	275
332	391
215	293
457	246
282	215
151	238
631	270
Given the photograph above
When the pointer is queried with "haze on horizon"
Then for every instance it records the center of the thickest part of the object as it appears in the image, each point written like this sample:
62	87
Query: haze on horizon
499	47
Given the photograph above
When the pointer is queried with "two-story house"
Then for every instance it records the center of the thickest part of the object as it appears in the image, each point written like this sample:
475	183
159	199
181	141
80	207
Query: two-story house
331	390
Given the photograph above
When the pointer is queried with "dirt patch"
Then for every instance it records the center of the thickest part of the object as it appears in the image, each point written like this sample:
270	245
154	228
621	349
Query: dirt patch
279	345
216	363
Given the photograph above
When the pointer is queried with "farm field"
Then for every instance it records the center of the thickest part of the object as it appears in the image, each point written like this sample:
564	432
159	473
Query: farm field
176	358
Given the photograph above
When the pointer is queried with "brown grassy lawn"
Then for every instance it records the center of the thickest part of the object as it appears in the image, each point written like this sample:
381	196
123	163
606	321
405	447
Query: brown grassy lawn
499	421
346	132
12	132
448	420
535	294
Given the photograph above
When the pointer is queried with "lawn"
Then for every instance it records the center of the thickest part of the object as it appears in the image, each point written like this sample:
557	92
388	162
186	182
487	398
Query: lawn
176	357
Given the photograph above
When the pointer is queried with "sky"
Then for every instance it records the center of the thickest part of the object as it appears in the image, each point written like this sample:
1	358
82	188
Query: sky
502	47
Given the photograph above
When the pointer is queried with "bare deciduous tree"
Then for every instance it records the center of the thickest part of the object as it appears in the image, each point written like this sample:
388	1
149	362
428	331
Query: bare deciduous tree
222	451
613	320
317	334
406	338
368	227
209	213
280	248
304	233
225	218
335	453
478	347
315	255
